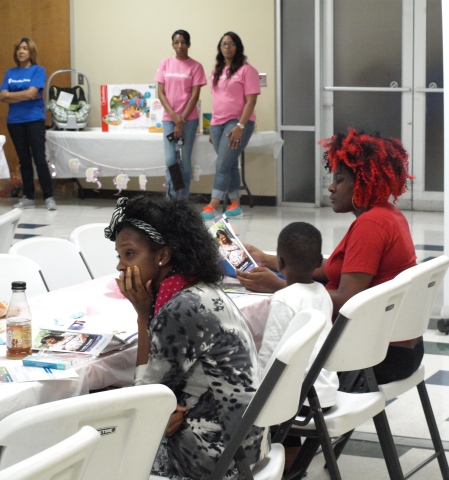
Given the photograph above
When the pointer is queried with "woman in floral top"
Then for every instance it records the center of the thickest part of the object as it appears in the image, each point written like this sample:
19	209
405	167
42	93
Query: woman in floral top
192	338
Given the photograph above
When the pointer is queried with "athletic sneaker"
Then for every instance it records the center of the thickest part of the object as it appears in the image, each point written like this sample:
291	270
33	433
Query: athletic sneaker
209	212
51	204
233	210
25	203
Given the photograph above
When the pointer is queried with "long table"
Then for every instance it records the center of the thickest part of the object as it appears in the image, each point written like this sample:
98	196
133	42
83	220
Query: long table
98	297
4	169
73	152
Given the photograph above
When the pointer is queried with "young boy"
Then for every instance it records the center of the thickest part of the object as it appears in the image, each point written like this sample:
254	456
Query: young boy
298	254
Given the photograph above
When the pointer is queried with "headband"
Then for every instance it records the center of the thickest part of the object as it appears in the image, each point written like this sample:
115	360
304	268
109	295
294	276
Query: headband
118	217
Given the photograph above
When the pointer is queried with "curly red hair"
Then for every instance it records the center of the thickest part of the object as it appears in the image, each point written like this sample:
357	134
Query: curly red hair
379	165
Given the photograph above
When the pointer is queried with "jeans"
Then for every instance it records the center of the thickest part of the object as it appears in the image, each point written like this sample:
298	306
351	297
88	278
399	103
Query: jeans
188	133
29	141
227	175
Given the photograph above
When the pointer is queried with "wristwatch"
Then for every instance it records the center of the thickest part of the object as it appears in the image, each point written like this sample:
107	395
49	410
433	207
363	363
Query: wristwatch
240	125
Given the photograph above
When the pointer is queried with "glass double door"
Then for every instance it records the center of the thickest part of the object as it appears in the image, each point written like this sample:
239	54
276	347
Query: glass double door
375	65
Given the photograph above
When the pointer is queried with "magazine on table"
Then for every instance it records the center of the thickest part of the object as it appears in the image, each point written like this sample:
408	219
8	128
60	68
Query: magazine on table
81	335
231	247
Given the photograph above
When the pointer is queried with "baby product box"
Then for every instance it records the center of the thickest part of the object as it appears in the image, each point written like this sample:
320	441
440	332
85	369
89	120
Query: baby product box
207	117
156	114
128	108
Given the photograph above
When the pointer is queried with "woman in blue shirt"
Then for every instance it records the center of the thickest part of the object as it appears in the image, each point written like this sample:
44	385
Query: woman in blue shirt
22	89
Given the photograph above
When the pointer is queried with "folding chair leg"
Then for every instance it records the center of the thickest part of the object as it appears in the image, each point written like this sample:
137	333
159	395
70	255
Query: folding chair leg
303	459
388	447
324	438
340	444
308	451
433	429
331	462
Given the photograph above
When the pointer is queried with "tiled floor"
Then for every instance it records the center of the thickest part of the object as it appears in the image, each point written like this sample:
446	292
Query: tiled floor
362	457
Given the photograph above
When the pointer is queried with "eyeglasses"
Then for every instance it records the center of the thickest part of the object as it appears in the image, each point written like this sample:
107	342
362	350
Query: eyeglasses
227	44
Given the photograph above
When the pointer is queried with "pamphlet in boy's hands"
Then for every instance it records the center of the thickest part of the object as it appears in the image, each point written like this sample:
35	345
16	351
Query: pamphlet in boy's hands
231	247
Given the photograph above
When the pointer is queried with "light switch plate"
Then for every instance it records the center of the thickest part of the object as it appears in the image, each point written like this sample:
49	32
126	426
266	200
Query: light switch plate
263	79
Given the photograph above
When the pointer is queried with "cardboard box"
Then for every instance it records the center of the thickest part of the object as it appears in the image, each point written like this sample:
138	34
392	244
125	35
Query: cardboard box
156	114
207	117
127	108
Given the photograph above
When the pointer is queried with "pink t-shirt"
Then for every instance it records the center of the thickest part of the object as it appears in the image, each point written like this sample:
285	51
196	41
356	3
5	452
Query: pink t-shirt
229	93
179	77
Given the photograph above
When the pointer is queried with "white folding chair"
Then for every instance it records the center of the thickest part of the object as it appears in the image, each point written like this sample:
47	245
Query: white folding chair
358	340
8	225
276	399
97	251
17	267
65	460
131	420
59	259
426	279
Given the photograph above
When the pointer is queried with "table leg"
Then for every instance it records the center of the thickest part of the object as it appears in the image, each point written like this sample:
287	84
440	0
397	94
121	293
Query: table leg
244	184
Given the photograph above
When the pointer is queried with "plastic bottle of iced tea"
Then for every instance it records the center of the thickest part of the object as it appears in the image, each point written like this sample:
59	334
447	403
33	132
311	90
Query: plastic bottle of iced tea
18	323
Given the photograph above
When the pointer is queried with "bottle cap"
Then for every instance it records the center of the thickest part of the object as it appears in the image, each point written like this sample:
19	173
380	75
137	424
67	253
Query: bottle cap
18	285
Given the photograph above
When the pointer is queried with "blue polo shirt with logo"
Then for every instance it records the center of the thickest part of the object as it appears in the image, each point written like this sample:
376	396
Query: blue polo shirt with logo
18	79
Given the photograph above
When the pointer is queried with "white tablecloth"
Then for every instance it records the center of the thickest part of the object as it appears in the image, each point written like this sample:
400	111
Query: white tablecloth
4	169
99	298
134	153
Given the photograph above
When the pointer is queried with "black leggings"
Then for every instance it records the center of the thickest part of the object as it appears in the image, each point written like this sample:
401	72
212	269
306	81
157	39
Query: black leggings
400	363
29	141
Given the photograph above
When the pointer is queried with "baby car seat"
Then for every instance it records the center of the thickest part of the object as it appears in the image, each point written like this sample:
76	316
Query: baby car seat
65	115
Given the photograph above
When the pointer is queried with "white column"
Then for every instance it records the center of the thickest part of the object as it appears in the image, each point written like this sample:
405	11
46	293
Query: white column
445	17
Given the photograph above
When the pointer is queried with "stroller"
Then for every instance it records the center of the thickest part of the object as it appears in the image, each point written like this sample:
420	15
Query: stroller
68	105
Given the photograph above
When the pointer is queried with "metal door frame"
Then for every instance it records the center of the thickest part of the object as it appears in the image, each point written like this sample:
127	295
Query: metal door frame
412	89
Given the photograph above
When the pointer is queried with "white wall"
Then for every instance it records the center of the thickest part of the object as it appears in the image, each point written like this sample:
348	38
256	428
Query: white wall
123	41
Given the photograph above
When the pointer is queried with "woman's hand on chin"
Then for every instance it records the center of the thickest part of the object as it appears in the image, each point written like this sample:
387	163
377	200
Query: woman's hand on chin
131	286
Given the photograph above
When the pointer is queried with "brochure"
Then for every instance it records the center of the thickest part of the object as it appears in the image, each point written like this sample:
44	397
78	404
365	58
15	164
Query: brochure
72	341
231	247
80	335
64	99
19	373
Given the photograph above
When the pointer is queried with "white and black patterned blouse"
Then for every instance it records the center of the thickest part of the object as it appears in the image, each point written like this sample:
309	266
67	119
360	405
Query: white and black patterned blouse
202	349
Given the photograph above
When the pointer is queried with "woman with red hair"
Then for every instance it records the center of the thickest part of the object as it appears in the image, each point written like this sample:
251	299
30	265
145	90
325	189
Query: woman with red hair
368	170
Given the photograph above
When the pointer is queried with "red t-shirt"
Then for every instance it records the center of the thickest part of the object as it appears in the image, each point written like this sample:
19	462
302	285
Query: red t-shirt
378	242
